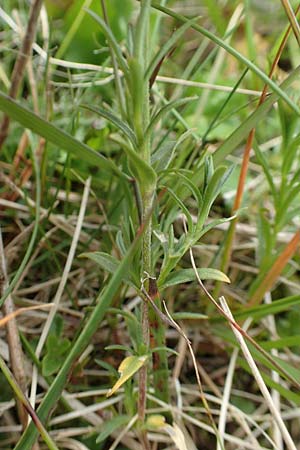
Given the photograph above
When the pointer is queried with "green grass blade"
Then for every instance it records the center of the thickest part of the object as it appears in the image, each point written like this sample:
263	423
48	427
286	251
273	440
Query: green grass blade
53	134
103	302
222	43
264	310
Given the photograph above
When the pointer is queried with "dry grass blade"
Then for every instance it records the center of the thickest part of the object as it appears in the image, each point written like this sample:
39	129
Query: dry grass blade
260	382
275	270
20	311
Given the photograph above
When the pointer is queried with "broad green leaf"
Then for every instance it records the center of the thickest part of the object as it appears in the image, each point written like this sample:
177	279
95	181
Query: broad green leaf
111	425
53	134
128	367
186	275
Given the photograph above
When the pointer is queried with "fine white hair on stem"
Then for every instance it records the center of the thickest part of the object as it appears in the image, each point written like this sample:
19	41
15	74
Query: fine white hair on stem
61	285
259	380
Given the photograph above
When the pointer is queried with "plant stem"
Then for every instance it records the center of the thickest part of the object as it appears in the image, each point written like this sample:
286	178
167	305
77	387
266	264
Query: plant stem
141	121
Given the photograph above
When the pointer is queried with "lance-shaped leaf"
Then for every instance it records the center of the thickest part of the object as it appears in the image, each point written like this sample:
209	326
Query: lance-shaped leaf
128	367
120	124
186	275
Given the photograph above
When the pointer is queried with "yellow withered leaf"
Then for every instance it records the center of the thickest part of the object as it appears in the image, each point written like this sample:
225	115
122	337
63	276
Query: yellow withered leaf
128	367
155	422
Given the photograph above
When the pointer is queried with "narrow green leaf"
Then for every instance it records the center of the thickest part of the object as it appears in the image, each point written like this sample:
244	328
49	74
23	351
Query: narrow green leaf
124	348
266	168
189	316
183	208
122	126
287	341
186	275
105	261
279	387
264	310
53	134
138	166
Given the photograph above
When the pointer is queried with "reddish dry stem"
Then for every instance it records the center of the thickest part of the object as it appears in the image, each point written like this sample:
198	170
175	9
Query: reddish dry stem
275	270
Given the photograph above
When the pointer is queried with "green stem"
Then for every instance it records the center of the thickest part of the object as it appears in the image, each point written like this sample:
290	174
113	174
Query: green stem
141	107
